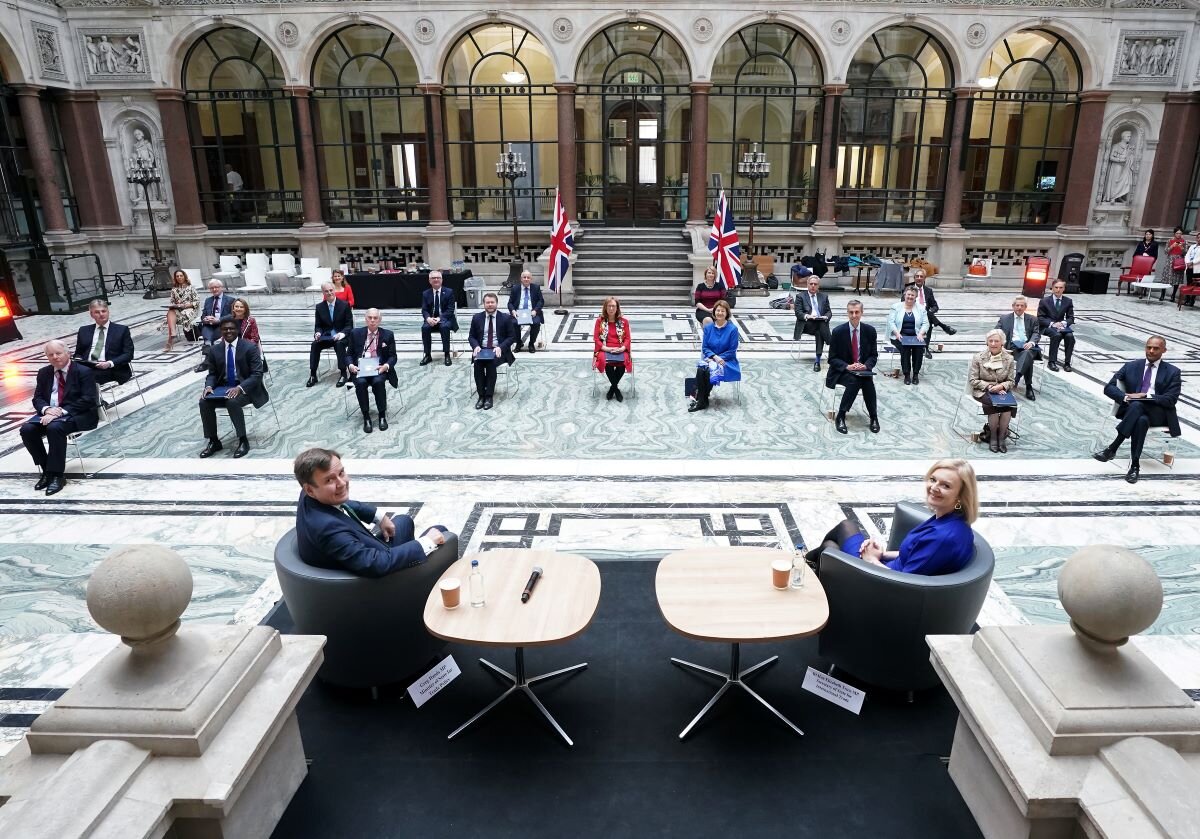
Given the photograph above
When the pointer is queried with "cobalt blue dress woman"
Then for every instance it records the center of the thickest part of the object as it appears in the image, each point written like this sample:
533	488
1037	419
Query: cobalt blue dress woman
719	347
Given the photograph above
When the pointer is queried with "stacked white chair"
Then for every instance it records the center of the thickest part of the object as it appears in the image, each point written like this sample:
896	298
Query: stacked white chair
255	274
230	269
195	277
283	271
307	264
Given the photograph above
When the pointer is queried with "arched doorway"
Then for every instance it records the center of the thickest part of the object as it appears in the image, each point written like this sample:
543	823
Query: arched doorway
633	120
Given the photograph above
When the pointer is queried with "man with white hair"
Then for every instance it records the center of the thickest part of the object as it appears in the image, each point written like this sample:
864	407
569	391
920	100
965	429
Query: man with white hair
216	306
64	400
371	363
332	324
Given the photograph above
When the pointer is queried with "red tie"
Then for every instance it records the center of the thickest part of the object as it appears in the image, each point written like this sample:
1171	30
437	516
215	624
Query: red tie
62	388
921	293
854	345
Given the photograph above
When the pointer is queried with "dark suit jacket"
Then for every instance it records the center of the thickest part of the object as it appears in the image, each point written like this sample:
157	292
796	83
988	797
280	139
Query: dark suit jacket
449	318
80	401
505	337
118	348
387	350
803	306
1005	325
226	305
840	356
342	320
248	360
1167	385
1046	314
328	538
931	304
536	301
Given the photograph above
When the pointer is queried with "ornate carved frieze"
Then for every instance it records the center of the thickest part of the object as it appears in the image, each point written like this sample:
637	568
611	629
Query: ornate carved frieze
1086	4
1148	56
49	52
114	54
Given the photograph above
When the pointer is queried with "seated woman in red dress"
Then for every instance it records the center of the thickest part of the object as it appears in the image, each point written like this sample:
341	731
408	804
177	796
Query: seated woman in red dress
341	288
611	337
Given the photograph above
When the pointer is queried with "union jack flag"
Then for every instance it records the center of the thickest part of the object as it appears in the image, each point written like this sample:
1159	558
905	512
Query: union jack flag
562	242
723	245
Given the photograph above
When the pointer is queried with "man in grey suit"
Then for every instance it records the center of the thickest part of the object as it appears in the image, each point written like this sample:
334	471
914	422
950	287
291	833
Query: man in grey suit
1021	334
812	316
232	388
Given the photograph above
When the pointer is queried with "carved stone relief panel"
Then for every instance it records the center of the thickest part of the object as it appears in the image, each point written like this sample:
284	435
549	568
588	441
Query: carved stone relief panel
113	54
49	53
1148	56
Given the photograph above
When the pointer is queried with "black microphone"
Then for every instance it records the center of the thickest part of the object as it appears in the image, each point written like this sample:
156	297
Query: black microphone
533	578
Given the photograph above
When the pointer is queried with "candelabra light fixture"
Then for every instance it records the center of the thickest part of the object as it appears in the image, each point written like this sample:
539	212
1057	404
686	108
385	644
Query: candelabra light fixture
145	174
511	167
753	166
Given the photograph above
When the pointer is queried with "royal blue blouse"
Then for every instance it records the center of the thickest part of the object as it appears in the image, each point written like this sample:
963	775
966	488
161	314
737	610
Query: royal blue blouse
935	546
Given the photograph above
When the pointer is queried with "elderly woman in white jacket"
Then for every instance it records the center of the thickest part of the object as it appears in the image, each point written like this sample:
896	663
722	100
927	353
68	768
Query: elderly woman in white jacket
908	318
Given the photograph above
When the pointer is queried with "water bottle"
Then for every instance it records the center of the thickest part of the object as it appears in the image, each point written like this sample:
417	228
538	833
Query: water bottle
476	584
799	566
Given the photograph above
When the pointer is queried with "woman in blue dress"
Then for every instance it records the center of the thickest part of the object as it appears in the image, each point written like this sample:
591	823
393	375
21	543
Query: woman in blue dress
718	351
942	544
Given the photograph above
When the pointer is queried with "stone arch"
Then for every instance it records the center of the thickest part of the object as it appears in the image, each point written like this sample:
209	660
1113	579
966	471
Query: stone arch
1090	74
14	70
452	39
321	34
177	52
789	20
663	22
947	39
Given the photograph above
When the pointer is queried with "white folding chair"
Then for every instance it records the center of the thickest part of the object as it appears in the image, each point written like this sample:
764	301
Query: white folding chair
600	378
1106	430
255	282
229	269
195	277
283	270
319	277
307	264
110	389
258	260
350	400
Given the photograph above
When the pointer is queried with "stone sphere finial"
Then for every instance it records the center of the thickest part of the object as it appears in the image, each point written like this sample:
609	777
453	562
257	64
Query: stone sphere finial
139	592
1110	593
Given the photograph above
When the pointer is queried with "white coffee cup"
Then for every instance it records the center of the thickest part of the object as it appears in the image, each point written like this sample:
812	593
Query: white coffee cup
451	592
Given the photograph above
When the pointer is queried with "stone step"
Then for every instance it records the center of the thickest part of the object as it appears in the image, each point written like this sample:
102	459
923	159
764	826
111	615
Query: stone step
627	300
638	272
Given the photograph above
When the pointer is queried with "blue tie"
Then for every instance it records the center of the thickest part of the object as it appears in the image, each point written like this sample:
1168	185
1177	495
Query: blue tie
230	370
331	313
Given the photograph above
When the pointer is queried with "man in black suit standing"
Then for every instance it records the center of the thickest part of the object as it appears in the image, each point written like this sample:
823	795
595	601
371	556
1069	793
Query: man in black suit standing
853	352
926	298
64	401
216	306
437	312
372	346
1056	318
492	334
332	322
105	347
528	296
1145	391
812	316
242	383
1021	336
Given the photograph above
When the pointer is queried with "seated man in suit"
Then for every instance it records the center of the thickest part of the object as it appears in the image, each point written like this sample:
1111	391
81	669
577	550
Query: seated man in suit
64	401
495	333
333	532
373	343
1021	339
105	347
812	316
437	311
853	350
1145	391
527	295
237	366
926	298
332	322
1056	318
216	306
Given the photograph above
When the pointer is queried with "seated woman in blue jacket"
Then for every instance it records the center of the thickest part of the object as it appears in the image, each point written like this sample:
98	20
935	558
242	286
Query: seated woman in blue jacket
908	319
718	348
942	544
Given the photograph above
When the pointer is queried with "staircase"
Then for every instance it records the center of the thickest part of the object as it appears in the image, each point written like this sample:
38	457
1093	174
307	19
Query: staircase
640	266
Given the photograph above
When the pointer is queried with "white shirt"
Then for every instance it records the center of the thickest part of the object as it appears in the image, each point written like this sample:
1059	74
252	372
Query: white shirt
234	181
1193	255
424	540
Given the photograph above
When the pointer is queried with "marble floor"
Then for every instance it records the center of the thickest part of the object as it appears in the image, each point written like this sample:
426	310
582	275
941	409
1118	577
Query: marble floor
555	466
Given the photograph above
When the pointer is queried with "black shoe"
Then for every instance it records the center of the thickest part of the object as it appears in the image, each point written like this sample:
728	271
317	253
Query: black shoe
697	406
199	368
993	446
1053	365
341	382
383	424
58	482
478	403
950	330
487	404
212	448
916	379
874	426
1068	368
817	366
447	361
907	379
620	397
1030	395
1004	446
43	482
426	360
312	380
532	349
1131	477
1105	455
928	354
839	422
610	393
367	428
518	347
243	447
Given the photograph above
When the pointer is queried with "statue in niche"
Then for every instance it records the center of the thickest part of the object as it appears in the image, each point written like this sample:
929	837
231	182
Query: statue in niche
1121	166
141	155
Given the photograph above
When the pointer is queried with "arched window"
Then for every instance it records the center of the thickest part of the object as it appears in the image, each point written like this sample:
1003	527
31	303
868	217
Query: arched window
242	132
894	130
370	129
633	126
498	90
767	90
1022	131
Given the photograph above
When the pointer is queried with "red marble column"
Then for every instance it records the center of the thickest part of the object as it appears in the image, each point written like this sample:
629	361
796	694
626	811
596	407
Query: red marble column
42	158
566	147
87	160
310	185
173	114
1078	199
697	209
827	158
439	204
953	192
1177	140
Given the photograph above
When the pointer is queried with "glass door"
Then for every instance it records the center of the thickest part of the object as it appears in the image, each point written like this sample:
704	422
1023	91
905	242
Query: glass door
632	159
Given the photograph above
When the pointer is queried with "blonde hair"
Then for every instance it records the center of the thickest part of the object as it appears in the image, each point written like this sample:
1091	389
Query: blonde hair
968	494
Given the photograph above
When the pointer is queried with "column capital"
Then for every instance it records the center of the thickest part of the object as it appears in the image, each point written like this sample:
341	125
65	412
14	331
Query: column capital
1181	98
432	88
298	90
701	87
565	87
835	89
966	91
27	89
168	94
1095	96
79	96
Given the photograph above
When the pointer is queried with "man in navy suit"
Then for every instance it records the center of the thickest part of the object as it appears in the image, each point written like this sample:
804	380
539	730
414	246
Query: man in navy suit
216	306
527	295
437	312
812	316
244	383
494	331
926	298
1145	391
1056	318
332	531
105	347
64	400
852	351
332	322
373	342
1021	334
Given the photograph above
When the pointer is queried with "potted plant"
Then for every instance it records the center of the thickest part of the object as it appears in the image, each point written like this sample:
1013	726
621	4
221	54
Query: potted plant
588	205
671	196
